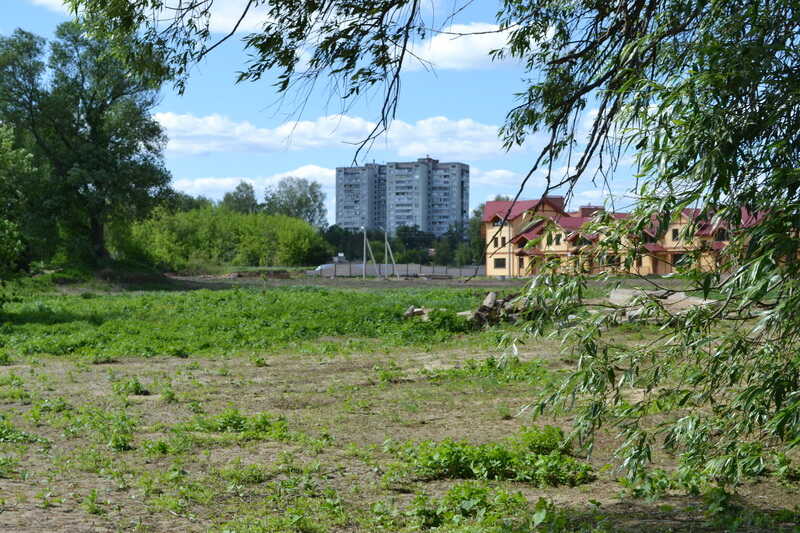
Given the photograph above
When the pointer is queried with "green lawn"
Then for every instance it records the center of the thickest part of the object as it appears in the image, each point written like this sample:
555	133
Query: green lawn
204	322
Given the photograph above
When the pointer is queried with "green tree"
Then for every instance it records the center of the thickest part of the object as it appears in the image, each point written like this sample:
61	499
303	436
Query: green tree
15	167
89	121
299	198
704	96
242	199
180	201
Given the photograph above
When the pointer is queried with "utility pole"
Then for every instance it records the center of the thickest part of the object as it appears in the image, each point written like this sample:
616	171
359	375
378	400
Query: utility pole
388	254
364	256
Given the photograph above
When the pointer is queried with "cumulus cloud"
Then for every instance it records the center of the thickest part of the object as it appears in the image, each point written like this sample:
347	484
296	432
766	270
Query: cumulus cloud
53	5
458	47
216	187
224	15
441	136
485	184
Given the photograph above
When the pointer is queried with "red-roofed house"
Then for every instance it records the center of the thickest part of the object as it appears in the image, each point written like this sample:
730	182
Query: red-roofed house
507	253
505	220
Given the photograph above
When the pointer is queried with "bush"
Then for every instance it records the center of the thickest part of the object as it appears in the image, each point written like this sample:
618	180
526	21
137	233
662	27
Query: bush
193	240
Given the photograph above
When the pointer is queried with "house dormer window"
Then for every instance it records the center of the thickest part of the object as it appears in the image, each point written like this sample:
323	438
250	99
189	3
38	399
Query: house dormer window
675	234
558	239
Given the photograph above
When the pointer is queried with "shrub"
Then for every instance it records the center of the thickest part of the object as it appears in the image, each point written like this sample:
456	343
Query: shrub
194	240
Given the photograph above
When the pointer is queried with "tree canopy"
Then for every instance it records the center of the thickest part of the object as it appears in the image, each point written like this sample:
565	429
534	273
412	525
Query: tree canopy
704	96
299	198
242	199
87	120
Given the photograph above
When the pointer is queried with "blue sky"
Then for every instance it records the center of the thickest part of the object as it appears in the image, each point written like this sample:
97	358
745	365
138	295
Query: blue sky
222	132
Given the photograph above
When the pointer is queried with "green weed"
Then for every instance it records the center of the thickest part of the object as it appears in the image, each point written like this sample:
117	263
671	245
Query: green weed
131	387
260	426
202	322
533	456
114	429
92	505
509	370
8	467
8	433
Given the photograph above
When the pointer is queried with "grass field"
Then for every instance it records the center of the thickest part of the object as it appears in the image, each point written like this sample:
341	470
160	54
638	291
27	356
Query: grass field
308	409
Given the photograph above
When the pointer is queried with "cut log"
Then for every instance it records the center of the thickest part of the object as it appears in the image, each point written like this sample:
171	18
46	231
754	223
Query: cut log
489	301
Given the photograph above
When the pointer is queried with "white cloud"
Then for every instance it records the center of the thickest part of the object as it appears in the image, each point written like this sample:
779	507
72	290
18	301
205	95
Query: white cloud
497	177
216	187
469	50
224	15
53	5
439	136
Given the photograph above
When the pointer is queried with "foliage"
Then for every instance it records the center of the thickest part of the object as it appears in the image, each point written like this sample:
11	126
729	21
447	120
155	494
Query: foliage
216	236
533	456
15	168
505	370
299	198
471	507
242	199
256	427
224	321
9	433
87	120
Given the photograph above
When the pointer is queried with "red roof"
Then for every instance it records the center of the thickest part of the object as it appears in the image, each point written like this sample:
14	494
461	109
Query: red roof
750	219
716	245
532	232
652	247
572	223
499	208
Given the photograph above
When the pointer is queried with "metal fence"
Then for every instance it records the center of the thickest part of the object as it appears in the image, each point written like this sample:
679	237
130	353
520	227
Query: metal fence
353	270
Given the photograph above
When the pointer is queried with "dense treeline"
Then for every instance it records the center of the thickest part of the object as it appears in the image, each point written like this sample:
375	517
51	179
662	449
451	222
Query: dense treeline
199	238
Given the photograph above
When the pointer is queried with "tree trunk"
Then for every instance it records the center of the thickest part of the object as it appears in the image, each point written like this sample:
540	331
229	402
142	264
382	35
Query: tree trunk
98	239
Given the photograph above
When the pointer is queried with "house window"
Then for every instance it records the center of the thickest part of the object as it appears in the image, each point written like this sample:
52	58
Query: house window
504	241
558	239
494	241
521	263
639	262
721	235
499	262
675	234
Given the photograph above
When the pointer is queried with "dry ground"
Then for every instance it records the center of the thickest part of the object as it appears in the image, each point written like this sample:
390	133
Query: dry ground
341	410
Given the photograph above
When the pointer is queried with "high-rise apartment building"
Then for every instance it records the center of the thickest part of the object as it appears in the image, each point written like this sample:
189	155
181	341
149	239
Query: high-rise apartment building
430	195
361	196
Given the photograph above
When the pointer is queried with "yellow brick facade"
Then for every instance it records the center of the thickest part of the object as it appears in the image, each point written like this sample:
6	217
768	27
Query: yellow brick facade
507	256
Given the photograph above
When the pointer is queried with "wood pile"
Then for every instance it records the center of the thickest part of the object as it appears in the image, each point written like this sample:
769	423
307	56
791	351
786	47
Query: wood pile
492	310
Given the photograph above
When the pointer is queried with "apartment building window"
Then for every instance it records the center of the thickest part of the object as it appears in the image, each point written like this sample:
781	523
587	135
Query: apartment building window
675	235
503	240
499	262
494	242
